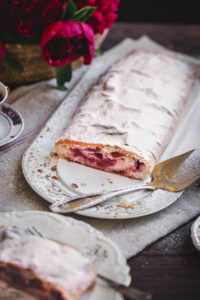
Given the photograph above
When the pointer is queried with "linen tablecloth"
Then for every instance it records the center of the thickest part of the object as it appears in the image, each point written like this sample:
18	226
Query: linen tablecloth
36	103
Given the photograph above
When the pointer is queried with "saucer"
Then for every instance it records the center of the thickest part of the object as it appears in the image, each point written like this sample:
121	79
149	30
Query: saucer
11	124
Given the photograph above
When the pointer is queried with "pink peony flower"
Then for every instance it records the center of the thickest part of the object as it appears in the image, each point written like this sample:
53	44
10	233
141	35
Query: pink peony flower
24	18
104	15
65	41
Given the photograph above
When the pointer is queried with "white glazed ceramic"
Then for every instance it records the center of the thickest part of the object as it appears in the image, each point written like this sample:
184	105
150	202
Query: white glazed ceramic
55	182
195	233
103	252
11	124
3	92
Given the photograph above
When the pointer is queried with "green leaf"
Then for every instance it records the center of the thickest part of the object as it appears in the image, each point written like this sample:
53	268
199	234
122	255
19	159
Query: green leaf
69	10
98	52
12	65
83	14
63	74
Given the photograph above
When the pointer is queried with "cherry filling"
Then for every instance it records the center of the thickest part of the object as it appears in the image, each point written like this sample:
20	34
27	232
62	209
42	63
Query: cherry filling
36	283
116	154
139	165
93	157
14	274
99	155
106	160
76	152
97	149
2	269
56	295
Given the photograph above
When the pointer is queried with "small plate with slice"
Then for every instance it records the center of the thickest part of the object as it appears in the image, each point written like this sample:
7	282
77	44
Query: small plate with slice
104	254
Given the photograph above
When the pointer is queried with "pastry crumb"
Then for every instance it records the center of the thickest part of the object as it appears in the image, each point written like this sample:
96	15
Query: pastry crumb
40	171
124	205
53	168
110	182
53	154
103	184
74	185
54	177
83	184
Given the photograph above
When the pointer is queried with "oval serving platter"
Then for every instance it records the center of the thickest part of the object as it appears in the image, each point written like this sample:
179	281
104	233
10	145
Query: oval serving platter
105	255
60	180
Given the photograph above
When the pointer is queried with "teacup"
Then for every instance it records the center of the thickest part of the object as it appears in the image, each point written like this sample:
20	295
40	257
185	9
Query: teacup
3	92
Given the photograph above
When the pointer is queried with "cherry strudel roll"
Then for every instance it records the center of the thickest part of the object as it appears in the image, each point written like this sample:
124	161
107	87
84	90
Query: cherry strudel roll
127	119
42	267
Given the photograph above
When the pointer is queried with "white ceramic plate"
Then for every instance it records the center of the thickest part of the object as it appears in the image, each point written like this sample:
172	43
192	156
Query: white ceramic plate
104	253
55	182
11	124
195	233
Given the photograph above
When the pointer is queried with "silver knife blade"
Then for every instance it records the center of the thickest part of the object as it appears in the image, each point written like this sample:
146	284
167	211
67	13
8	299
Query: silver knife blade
72	206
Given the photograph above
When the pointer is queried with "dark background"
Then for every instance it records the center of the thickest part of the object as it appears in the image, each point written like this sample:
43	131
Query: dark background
163	11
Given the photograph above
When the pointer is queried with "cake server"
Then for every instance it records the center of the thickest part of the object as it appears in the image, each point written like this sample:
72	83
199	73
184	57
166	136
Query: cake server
174	175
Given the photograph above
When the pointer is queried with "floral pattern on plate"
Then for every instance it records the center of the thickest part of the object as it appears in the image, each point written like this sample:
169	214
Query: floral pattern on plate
11	124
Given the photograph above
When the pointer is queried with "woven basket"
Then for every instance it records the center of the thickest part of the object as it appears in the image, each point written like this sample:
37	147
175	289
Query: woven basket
35	66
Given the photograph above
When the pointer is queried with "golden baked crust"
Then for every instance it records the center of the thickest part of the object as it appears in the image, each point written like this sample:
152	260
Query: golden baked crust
134	108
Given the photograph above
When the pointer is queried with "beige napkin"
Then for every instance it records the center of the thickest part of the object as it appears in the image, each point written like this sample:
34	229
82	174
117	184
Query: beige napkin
36	103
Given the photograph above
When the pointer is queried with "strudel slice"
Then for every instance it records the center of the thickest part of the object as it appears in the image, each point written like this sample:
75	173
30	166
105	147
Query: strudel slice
126	120
43	267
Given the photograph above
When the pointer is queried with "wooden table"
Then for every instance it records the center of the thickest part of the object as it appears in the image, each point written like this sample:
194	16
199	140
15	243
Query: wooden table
170	268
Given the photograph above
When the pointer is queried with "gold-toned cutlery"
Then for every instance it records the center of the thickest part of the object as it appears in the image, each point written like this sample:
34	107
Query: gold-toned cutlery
174	175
